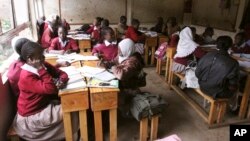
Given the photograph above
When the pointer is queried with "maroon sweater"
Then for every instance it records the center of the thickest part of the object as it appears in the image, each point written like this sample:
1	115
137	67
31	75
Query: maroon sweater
198	53
47	38
35	91
107	52
245	49
71	45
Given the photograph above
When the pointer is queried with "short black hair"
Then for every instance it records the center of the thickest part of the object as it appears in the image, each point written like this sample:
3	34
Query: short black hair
105	23
29	49
172	21
123	19
224	42
98	20
209	29
19	44
135	22
241	34
64	29
106	30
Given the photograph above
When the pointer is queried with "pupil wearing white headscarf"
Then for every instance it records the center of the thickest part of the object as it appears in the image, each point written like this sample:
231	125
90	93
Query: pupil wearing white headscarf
186	44
126	49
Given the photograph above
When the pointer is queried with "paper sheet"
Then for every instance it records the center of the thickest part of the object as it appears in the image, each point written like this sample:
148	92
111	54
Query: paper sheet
75	78
244	64
105	76
90	71
75	57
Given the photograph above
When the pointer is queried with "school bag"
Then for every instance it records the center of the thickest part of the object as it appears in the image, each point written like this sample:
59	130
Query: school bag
146	105
190	78
160	53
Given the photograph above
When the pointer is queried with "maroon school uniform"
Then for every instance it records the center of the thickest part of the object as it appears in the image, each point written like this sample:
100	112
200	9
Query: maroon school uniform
198	53
14	75
47	38
174	40
245	48
70	44
131	33
36	87
107	50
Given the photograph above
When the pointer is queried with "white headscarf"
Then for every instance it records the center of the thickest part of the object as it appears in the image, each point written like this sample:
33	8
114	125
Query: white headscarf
13	45
127	48
186	44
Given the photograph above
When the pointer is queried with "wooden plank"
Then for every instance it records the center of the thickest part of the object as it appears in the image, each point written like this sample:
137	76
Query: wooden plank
67	126
154	127
83	125
212	113
190	101
113	124
144	129
98	125
75	102
158	61
103	101
85	44
248	113
146	54
245	98
221	112
153	55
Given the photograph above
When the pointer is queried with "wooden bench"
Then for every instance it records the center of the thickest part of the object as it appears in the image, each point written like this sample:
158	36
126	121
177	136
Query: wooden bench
170	52
144	128
217	106
150	45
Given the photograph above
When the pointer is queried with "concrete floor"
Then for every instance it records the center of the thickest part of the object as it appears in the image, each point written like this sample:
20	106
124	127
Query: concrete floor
179	117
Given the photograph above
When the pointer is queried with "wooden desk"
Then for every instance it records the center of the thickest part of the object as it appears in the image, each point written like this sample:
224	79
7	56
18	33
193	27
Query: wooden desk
84	44
104	99
51	60
76	100
245	96
150	44
246	93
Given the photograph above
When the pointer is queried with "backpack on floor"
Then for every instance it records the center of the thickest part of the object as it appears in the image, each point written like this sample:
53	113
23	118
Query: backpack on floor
146	105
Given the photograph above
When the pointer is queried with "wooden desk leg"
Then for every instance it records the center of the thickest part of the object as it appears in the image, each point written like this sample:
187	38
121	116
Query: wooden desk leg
113	124
221	113
146	55
83	125
167	71
144	129
154	128
67	126
160	67
248	113
157	65
245	97
212	113
152	56
98	125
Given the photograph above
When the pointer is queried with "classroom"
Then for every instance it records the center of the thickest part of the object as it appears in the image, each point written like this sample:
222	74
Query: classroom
124	70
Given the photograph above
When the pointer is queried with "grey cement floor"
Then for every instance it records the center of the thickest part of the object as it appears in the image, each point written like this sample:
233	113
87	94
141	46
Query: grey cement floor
179	117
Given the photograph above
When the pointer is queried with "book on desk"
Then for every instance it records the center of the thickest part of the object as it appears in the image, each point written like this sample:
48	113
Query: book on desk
76	80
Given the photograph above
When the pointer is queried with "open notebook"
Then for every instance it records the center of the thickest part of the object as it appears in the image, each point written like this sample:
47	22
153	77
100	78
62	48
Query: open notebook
76	80
75	57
